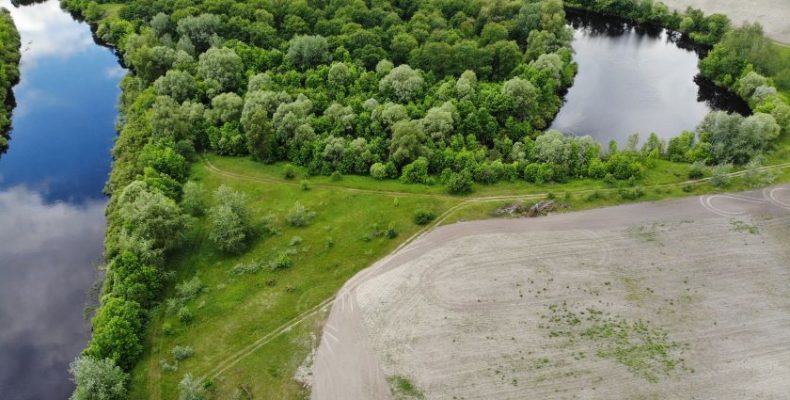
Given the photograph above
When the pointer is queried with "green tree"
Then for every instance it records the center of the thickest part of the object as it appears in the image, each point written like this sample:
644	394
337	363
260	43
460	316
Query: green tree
116	332
408	142
307	51
149	214
97	379
200	30
222	65
179	85
402	83
231	225
191	389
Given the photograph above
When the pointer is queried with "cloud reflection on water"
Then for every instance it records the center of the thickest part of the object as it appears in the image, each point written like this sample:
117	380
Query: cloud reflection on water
49	251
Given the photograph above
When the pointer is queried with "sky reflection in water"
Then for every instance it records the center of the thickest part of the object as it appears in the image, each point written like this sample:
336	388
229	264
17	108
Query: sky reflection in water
51	201
634	81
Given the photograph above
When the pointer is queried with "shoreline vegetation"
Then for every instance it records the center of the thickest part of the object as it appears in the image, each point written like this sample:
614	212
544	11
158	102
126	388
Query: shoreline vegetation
338	131
10	46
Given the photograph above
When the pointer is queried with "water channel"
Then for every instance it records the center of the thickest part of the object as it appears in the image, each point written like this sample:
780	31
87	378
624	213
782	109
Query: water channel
51	201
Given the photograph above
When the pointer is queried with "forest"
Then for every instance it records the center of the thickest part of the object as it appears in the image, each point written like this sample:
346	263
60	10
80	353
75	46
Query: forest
9	73
449	93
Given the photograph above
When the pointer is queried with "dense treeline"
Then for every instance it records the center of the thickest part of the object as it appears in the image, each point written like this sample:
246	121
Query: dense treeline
453	91
9	72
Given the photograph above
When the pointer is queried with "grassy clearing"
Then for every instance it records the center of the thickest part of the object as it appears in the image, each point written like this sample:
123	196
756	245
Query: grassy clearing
347	235
234	313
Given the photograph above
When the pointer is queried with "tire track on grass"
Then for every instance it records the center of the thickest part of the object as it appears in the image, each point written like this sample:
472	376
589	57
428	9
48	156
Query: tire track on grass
239	355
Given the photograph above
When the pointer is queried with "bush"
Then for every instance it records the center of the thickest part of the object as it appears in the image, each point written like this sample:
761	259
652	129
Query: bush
336	176
697	170
193	201
231	227
97	379
289	173
378	171
719	177
631	193
188	290
300	216
181	353
423	217
459	183
391	232
416	172
281	262
184	315
191	389
305	185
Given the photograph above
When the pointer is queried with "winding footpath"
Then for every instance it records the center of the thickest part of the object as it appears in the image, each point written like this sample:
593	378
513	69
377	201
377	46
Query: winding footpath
404	251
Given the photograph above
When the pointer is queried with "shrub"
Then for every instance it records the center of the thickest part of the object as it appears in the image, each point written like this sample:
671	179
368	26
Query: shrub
167	367
281	262
231	226
188	290
391	232
97	379
305	185
193	201
289	173
184	315
631	193
191	389
300	216
423	217
459	183
336	176
416	172
719	177
378	171
697	170
181	353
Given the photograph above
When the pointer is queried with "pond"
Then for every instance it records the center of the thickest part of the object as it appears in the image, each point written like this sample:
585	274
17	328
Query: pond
634	79
51	201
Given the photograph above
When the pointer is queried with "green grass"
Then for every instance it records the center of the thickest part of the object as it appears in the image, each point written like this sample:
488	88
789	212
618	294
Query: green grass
235	311
404	389
346	236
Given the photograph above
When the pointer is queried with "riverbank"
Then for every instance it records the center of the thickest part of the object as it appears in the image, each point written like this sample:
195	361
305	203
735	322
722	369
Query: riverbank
10	46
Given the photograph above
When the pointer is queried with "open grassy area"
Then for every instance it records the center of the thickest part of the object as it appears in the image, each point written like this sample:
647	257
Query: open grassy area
234	333
347	235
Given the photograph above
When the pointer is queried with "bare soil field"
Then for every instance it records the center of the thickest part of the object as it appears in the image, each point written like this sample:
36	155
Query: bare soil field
680	299
774	15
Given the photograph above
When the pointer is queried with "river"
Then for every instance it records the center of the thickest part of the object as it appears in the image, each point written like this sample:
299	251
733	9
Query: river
51	201
635	79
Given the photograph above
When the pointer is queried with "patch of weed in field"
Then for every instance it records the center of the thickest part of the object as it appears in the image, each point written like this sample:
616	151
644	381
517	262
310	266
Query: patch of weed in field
645	233
744	227
403	388
646	350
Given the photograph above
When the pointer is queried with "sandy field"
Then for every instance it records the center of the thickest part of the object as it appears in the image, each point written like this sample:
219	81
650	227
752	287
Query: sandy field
774	15
680	299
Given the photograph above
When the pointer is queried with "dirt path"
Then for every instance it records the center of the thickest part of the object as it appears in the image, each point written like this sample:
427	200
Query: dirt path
457	311
774	15
233	359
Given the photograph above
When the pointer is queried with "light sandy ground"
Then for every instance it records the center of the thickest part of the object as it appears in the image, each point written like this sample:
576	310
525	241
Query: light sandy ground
774	15
462	311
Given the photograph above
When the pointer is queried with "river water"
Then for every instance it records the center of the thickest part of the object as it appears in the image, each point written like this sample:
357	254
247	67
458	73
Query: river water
635	80
51	201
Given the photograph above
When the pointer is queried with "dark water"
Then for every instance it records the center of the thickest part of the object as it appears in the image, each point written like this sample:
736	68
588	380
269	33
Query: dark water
51	203
635	80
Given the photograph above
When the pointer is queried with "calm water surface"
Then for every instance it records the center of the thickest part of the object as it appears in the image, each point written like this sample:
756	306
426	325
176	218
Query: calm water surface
51	202
635	80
